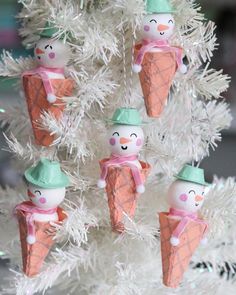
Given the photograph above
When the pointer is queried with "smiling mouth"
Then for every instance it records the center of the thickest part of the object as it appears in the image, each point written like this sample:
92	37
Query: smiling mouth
162	33
124	147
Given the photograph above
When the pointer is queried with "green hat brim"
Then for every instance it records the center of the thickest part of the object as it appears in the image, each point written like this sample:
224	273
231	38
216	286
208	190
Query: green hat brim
125	123
196	182
161	12
63	182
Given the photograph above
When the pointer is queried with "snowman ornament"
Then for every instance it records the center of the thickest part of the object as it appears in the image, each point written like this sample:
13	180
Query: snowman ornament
46	201
52	56
46	191
157	28
186	197
125	139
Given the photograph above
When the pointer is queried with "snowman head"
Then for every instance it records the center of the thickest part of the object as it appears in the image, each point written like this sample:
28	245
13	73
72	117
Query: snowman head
46	198
187	196
52	53
158	26
125	140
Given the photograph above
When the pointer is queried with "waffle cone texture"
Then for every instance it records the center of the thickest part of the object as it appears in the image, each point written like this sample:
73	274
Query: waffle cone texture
36	98
34	255
176	259
121	193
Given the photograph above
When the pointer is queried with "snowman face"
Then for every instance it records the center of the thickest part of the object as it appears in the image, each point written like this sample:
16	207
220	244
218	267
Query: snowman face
52	53
158	26
186	196
125	140
46	198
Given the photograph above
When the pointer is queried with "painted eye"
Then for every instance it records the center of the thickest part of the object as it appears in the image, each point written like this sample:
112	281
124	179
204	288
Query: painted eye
50	46
133	135
37	191
153	21
192	191
46	46
170	21
116	133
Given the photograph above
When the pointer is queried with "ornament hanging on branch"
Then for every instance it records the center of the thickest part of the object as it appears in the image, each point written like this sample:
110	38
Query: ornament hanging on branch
156	60
45	85
46	191
181	229
123	175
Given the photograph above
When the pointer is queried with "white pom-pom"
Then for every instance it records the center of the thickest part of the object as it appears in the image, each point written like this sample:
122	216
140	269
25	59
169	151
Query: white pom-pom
204	241
137	68
174	241
101	183
31	239
183	69
51	98
140	189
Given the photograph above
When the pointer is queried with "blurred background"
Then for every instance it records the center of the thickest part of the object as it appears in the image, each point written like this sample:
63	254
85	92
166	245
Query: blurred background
220	163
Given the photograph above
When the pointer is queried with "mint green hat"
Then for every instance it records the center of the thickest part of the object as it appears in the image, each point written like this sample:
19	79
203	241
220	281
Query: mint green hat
50	31
126	116
158	6
47	174
192	174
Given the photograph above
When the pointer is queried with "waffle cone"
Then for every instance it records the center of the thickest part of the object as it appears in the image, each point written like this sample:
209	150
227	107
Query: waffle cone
37	102
121	193
34	255
158	71
176	259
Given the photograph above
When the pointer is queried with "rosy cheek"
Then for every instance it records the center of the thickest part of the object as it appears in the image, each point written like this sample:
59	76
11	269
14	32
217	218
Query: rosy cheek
52	55
183	197
146	28
112	141
139	142
42	200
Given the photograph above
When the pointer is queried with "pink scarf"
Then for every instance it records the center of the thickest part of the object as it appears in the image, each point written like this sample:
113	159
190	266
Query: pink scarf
29	209
122	160
42	72
186	217
161	44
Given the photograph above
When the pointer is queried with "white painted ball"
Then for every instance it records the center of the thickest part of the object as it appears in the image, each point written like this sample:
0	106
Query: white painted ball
125	140
52	53
46	198
158	26
184	195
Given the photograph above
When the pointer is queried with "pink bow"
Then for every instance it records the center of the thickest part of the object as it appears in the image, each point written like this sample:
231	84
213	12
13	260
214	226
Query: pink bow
42	72
122	160
29	209
186	217
161	44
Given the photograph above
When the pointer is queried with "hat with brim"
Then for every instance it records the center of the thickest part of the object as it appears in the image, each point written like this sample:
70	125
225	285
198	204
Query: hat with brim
126	116
47	174
50	31
159	7
192	174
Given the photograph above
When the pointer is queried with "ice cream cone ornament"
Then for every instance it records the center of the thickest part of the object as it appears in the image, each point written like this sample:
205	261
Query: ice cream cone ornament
52	56
46	191
123	174
182	229
155	59
45	85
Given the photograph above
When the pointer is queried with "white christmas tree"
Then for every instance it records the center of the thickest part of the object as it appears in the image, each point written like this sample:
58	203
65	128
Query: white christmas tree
88	257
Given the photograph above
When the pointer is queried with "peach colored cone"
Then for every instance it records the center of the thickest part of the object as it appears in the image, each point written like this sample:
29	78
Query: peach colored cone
175	260
34	255
121	193
37	103
158	71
